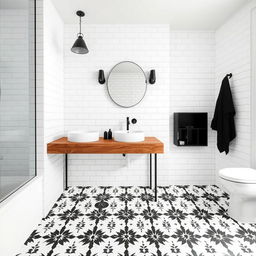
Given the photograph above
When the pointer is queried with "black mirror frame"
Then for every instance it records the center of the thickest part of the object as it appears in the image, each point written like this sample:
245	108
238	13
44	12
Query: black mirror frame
146	84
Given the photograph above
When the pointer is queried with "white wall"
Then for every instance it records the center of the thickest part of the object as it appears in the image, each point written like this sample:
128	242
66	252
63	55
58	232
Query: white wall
53	102
192	74
233	55
187	56
19	215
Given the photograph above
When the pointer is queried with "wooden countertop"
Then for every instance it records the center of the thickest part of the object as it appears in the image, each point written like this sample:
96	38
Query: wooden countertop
63	146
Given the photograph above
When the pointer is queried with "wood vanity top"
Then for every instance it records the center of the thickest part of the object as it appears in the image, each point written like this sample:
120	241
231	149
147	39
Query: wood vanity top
63	146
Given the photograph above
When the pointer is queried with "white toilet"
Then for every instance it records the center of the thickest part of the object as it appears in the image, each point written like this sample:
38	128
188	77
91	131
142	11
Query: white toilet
240	183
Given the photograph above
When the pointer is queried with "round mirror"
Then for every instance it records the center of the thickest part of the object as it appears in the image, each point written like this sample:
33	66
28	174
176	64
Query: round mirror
127	84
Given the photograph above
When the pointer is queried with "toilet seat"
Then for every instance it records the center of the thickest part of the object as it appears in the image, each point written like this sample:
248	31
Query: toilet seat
242	175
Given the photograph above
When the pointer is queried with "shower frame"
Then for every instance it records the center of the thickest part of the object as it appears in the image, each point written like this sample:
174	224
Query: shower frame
35	109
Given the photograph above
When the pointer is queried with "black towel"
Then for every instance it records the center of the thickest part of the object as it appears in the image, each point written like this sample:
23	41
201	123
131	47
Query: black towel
223	120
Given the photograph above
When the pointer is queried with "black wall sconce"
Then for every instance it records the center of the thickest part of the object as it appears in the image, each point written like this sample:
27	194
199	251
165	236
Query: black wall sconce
152	76
101	77
151	80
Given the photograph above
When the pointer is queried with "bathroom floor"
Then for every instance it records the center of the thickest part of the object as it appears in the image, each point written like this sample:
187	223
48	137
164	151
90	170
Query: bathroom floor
186	220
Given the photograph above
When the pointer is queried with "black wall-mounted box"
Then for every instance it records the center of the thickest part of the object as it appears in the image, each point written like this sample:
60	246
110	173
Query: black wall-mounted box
191	129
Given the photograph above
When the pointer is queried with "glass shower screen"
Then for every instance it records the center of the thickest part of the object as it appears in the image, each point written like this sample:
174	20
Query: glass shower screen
17	95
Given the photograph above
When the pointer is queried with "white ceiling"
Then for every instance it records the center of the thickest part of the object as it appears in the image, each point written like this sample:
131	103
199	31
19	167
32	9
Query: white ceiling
180	14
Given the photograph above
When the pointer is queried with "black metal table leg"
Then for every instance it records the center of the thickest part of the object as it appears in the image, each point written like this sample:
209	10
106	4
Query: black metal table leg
155	177
66	172
150	171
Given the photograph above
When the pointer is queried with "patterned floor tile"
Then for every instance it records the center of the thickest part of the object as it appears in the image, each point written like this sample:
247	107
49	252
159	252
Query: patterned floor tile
125	221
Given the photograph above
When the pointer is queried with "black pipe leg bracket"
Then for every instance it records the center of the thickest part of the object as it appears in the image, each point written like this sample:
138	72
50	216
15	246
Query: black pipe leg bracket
156	177
150	174
66	172
150	171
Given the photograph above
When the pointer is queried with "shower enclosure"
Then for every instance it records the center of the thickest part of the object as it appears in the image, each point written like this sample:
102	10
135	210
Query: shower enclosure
253	88
17	95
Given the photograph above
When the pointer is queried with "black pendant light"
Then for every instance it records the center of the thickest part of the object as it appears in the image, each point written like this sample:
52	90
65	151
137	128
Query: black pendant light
79	46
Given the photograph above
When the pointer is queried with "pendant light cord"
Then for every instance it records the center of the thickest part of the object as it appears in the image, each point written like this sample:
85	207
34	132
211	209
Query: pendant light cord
80	25
80	21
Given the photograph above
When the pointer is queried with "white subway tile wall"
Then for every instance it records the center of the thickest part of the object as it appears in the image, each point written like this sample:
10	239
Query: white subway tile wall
53	102
192	76
184	64
233	55
40	86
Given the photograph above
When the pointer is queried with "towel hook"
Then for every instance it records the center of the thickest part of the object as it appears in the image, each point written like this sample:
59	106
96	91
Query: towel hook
229	75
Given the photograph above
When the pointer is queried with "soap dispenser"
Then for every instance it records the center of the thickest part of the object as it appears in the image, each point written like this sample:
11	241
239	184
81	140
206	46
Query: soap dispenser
109	134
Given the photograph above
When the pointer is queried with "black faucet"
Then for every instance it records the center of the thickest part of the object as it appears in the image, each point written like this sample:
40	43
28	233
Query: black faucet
127	123
134	121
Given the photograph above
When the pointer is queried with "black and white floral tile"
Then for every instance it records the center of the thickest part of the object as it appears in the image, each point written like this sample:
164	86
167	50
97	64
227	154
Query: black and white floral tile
125	221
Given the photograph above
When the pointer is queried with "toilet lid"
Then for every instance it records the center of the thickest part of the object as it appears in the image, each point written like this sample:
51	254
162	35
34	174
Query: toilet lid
243	175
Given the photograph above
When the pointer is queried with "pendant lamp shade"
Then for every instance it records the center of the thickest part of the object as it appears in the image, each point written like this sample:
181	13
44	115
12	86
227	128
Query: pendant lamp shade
79	46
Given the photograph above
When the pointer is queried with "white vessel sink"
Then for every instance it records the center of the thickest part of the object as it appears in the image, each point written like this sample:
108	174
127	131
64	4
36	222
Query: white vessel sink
131	136
80	136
